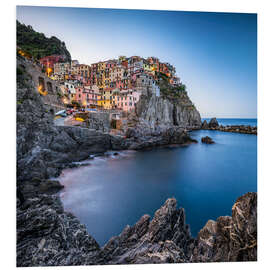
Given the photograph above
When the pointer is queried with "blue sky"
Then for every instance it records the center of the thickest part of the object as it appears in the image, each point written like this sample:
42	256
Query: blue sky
215	54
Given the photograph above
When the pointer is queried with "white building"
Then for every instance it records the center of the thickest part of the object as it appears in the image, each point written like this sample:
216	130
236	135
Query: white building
61	68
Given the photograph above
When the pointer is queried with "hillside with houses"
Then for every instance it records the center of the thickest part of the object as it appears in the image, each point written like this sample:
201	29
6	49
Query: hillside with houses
112	84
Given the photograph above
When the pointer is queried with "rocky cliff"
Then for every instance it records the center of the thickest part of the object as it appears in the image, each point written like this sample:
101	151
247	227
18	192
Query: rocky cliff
168	111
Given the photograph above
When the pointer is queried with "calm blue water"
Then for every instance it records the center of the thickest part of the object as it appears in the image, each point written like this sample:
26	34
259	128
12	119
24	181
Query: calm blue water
235	121
205	179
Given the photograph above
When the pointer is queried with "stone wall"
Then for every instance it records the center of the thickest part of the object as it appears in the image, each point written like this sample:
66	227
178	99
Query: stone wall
52	100
99	121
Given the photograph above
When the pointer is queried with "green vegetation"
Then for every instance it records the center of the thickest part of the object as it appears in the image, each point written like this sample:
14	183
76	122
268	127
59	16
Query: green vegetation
37	44
180	88
162	76
168	91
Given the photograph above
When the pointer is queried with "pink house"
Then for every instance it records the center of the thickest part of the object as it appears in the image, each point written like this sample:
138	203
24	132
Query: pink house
81	95
92	95
127	100
120	84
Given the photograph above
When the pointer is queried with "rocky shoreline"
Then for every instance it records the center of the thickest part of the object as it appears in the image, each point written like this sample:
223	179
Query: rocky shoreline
213	125
49	236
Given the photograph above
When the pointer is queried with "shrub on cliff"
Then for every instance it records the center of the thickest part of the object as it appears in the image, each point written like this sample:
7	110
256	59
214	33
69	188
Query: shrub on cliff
37	44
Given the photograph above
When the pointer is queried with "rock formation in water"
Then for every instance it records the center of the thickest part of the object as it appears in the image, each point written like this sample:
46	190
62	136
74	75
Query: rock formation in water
164	239
204	125
213	123
207	140
230	238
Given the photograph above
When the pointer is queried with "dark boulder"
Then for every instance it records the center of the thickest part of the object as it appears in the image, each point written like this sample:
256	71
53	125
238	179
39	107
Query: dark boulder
204	125
213	123
207	140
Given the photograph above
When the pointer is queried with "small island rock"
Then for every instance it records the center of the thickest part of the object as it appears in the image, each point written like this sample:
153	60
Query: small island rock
204	125
207	140
213	123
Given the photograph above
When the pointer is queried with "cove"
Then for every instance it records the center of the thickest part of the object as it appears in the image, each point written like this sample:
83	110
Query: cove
114	191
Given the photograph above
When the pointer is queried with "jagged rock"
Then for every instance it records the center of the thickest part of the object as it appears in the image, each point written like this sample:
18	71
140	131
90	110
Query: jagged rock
207	140
57	237
204	125
213	123
48	236
165	239
230	238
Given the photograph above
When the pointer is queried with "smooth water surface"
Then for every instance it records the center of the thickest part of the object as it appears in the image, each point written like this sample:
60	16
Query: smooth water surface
205	179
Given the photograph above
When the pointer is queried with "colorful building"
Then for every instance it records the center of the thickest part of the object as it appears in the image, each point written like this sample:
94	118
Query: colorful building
49	61
126	100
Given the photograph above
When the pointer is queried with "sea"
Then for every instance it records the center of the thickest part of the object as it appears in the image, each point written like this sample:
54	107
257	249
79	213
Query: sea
111	191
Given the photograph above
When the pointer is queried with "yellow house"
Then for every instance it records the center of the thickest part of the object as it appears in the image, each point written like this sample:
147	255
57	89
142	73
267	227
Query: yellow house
101	66
149	68
106	99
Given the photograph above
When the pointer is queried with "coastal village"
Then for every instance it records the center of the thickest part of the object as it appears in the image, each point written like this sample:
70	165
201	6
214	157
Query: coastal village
68	114
115	84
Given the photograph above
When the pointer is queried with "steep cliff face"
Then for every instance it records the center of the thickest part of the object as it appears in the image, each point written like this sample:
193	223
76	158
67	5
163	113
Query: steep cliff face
166	112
